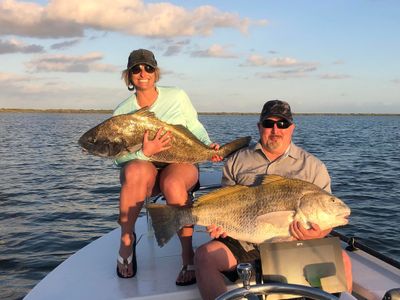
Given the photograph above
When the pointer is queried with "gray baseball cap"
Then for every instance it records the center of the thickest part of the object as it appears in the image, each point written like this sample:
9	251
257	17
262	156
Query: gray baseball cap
141	56
276	108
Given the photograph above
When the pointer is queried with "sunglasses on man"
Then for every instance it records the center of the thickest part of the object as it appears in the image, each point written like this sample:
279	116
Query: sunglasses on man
137	69
281	124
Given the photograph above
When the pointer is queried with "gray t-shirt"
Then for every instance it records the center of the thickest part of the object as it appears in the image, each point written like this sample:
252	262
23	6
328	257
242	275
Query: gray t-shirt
249	165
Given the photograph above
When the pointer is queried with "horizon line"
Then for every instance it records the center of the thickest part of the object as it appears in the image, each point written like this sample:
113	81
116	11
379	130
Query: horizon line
78	110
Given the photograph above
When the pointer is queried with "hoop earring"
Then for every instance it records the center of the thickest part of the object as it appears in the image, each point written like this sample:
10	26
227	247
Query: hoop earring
131	87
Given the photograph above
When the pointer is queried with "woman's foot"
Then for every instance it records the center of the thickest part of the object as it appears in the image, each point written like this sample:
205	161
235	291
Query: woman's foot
187	273
186	276
126	262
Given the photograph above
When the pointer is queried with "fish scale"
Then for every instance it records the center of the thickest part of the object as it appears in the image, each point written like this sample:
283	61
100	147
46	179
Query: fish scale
254	214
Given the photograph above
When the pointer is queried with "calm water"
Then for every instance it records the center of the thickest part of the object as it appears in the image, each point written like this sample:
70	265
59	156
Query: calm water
54	200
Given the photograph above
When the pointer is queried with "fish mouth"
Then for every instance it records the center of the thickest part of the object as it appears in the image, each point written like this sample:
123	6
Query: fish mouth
345	218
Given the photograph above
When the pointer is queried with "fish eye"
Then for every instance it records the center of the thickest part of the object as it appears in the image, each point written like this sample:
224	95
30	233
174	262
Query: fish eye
333	199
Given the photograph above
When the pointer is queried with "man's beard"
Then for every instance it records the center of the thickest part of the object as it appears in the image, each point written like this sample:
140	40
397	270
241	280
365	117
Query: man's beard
274	142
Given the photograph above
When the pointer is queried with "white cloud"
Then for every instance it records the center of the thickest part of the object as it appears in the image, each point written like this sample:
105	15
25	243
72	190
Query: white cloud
20	91
396	81
256	60
6	78
15	84
289	73
66	63
282	62
16	46
65	44
214	51
277	62
334	76
339	62
31	19
174	47
69	18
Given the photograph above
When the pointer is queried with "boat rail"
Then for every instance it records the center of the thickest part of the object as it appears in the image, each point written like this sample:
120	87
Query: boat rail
354	245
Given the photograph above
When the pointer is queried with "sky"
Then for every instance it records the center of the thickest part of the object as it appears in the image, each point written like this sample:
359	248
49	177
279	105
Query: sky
321	56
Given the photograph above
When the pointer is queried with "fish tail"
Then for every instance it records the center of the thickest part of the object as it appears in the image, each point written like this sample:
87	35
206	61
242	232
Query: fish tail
233	146
166	220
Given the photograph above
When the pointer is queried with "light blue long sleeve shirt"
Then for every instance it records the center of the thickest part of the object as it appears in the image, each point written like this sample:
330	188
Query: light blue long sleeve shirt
172	106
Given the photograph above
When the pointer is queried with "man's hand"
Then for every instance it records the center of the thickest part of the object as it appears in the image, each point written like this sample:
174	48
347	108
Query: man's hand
216	157
160	142
216	231
300	233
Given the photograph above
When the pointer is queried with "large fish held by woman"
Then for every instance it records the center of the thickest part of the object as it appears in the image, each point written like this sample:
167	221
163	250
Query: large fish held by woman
123	134
254	214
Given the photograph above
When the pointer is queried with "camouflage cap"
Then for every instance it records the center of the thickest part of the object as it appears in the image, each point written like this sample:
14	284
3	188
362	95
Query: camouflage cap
141	56
276	108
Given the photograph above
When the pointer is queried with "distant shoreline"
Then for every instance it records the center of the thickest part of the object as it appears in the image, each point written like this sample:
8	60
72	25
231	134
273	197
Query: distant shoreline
109	111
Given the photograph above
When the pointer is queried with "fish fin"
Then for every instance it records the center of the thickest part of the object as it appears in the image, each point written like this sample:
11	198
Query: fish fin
165	220
271	178
145	112
277	218
233	146
220	193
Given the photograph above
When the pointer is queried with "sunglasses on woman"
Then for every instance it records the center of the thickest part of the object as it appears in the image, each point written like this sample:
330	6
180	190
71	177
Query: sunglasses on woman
281	124
137	69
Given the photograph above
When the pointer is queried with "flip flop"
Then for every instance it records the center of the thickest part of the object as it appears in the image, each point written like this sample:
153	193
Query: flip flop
184	269
126	261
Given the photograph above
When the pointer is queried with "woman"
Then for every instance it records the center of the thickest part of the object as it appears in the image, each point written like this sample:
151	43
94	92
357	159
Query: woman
141	178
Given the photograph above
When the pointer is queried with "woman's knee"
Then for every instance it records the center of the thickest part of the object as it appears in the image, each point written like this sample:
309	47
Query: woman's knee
172	184
138	172
176	181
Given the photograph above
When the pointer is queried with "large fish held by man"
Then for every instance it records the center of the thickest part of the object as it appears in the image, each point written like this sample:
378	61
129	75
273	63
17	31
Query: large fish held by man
122	134
254	214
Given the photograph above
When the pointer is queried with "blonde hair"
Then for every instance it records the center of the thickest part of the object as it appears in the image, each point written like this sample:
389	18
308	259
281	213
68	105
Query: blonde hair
126	75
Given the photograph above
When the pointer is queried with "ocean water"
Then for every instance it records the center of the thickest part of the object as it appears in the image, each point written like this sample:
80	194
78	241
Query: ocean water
54	199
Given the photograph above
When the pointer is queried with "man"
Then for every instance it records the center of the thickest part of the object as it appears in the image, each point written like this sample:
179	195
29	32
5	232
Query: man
275	153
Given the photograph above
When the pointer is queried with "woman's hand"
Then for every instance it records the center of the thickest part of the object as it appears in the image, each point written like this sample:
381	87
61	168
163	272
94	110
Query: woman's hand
216	231
216	157
299	232
160	142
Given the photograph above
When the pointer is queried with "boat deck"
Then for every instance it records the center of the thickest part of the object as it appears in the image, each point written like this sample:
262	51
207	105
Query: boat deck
90	273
